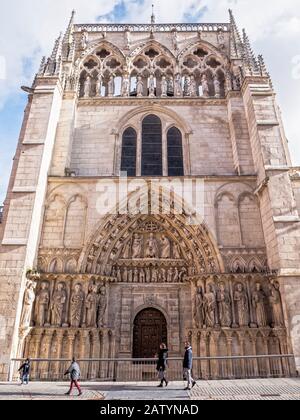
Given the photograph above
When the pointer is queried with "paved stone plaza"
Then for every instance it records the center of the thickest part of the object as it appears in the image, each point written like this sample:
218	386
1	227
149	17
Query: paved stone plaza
258	389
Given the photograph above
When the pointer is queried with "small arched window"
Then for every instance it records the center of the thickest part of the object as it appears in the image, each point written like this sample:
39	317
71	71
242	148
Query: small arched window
128	160
152	146
175	153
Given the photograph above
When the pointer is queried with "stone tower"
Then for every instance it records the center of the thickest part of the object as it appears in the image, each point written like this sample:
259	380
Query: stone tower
184	104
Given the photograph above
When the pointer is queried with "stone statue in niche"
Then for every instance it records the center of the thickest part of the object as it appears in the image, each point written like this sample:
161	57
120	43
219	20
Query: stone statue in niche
210	306
258	303
91	304
154	275
76	306
148	275
125	275
199	308
205	87
163	275
176	252
217	87
275	303
182	274
170	82
170	275
152	247
139	87
84	40
130	276
193	87
125	85
164	87
187	86
142	276
99	84
29	297
42	305
87	87
102	304
137	245
165	247
58	304
111	86
178	85
242	305
119	275
224	306
151	86
136	275
127	38
176	275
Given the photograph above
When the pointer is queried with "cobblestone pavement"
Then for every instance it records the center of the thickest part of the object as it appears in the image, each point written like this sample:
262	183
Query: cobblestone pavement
252	389
259	389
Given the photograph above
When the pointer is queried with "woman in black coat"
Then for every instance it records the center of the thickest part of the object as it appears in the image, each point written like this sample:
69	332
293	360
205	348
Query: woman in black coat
162	365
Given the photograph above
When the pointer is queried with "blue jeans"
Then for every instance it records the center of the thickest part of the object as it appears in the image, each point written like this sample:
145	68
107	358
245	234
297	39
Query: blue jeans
25	378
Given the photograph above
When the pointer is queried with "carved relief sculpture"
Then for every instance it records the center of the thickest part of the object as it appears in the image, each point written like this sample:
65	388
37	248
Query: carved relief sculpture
137	245
42	305
224	306
152	247
76	306
58	304
165	247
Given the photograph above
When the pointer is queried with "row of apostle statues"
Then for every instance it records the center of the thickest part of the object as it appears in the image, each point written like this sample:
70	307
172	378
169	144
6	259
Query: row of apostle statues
169	86
151	247
217	307
149	275
45	309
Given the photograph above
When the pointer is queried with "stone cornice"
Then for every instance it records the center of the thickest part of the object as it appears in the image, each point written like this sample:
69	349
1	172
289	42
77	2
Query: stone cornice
151	101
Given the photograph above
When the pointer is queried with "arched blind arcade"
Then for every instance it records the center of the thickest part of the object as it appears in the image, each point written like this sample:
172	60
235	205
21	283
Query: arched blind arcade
152	146
128	161
175	153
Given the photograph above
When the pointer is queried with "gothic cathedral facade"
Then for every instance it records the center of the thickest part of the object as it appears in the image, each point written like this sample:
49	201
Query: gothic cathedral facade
189	103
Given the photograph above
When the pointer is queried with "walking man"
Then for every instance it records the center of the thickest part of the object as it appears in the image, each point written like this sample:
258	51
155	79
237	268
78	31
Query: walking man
25	368
187	366
162	365
74	372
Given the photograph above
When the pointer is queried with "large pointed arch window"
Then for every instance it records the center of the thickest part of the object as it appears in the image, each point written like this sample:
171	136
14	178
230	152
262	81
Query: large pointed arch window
128	160
175	153
152	146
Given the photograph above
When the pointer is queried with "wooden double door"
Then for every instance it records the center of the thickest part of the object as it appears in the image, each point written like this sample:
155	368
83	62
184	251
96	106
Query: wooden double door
149	331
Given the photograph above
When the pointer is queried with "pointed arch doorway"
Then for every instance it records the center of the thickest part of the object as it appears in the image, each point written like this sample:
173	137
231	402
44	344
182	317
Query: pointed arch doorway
149	331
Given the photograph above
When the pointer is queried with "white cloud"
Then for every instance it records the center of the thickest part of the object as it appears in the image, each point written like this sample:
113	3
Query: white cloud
28	29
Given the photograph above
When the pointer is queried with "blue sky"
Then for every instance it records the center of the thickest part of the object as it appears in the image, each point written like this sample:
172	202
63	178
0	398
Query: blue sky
28	29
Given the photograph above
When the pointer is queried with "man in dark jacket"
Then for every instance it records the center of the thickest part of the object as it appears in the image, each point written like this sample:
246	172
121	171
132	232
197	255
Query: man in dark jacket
162	365
187	366
74	372
25	368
